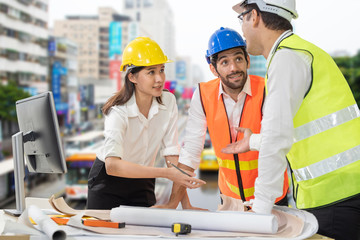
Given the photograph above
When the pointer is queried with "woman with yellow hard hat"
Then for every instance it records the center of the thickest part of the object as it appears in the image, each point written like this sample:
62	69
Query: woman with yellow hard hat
139	120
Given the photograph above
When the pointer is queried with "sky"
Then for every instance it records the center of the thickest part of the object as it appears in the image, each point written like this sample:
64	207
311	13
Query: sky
332	25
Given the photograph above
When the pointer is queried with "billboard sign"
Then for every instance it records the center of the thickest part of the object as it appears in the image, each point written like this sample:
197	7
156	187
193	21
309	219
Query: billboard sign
115	73
115	40
181	70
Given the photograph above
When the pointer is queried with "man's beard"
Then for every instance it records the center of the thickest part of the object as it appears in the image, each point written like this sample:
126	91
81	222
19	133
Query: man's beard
234	85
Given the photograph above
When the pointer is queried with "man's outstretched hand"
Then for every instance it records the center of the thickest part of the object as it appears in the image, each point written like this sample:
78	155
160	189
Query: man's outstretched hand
240	146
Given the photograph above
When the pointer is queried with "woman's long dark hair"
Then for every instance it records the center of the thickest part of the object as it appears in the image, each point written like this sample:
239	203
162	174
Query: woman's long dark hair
125	93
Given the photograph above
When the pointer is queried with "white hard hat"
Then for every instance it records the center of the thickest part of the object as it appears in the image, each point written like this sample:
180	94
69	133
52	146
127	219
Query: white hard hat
283	8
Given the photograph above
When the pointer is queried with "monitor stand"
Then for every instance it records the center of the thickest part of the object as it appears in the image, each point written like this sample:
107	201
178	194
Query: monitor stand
18	140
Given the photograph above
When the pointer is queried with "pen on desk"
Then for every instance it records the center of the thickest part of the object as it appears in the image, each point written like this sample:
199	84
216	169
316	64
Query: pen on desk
178	168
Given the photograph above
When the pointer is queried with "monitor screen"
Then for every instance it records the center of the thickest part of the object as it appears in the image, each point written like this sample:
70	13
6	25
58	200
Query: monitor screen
37	116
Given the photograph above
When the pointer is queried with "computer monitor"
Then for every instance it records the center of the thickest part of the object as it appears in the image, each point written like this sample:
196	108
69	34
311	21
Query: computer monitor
39	140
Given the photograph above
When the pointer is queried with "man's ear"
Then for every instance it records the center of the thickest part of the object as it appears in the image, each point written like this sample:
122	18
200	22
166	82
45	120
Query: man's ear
255	18
248	61
213	70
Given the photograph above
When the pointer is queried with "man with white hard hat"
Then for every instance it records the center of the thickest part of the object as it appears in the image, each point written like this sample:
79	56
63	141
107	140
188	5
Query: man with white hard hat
310	119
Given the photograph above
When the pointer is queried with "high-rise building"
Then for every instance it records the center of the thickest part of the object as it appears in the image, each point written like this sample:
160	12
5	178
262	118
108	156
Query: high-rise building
64	83
91	33
23	43
156	18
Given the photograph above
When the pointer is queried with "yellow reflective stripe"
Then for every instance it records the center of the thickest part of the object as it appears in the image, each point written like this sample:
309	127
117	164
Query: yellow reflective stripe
248	191
244	165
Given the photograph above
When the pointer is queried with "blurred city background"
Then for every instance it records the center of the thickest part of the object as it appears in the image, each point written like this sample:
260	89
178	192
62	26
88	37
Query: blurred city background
74	48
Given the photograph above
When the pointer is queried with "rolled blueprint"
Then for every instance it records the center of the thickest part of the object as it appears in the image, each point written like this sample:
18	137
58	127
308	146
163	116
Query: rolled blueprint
46	224
214	221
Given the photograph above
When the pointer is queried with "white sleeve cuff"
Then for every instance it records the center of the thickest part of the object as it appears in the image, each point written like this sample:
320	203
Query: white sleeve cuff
262	207
189	160
255	142
170	151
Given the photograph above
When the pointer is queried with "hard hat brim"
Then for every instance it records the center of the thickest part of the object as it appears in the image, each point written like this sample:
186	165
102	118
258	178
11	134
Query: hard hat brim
124	67
238	8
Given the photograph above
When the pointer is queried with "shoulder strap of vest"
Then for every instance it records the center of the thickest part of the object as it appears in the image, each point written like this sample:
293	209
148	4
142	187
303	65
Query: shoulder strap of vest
201	100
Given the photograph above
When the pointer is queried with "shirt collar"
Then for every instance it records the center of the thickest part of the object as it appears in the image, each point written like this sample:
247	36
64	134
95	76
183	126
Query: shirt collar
246	89
276	44
133	110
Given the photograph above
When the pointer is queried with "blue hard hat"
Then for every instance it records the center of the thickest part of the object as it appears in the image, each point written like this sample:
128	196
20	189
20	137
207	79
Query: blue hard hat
223	39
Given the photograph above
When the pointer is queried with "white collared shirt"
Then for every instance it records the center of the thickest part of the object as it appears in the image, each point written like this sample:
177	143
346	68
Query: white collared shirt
289	78
134	138
196	124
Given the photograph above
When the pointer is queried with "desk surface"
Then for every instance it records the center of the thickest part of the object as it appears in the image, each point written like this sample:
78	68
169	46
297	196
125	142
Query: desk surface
92	237
44	204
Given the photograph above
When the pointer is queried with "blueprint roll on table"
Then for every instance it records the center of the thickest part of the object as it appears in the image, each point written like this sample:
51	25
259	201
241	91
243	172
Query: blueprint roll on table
202	220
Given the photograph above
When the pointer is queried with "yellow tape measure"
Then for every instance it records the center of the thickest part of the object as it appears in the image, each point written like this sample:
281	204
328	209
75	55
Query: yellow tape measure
181	228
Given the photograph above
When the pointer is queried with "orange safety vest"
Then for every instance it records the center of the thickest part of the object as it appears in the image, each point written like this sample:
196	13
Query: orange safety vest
237	172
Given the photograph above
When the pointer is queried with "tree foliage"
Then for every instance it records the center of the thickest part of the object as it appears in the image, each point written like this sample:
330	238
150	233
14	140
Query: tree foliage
9	94
350	67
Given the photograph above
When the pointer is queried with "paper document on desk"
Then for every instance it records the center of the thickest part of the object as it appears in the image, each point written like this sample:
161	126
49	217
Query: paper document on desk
60	205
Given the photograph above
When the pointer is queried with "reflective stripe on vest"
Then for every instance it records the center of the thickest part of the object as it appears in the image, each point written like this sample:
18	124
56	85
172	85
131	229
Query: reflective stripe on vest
248	191
322	124
327	165
244	165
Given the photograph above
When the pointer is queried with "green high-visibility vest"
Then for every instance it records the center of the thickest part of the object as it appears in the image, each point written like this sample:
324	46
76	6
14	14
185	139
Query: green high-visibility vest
324	157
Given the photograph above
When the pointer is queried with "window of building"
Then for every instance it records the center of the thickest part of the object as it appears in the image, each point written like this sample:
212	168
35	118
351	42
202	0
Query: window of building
12	55
14	13
25	2
10	32
129	4
138	17
3	53
41	6
138	3
148	3
3	8
22	56
25	17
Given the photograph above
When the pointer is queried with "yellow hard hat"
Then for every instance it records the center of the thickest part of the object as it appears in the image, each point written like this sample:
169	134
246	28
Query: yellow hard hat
142	51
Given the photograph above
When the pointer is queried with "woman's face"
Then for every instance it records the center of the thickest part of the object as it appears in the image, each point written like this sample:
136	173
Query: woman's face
150	80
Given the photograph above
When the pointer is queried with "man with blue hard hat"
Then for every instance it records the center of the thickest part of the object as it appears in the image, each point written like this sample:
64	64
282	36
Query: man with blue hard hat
310	120
234	99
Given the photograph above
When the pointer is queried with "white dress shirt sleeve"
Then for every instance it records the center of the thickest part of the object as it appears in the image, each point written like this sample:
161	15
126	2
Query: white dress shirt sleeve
255	141
289	78
114	131
170	140
195	132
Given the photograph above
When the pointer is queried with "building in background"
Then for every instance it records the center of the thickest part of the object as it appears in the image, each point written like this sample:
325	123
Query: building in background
92	35
157	18
23	43
84	31
64	82
23	51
